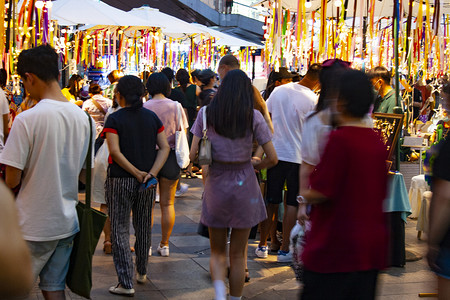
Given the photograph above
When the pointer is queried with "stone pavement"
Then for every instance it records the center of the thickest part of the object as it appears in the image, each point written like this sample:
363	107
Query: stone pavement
185	274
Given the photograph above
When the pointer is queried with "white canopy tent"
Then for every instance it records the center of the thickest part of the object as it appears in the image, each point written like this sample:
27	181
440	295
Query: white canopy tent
224	39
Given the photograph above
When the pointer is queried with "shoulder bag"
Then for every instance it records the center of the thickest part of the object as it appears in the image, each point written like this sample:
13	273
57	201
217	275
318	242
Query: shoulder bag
91	222
181	142
204	151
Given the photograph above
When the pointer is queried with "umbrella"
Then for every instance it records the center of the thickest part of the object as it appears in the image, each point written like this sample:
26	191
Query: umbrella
69	12
170	25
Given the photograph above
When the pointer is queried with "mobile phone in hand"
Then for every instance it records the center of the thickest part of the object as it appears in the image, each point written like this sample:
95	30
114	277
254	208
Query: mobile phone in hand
151	183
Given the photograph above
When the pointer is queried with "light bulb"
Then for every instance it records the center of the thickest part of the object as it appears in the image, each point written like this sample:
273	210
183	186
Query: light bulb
308	4
337	3
39	4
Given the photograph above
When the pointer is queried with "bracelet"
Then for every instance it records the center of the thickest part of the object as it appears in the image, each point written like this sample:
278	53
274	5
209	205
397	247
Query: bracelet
301	200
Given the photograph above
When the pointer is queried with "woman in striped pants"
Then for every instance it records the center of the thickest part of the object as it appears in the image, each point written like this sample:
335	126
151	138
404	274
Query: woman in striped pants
132	134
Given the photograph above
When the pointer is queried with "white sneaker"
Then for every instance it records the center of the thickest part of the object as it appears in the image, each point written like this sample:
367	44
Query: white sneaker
262	252
163	251
150	251
183	189
141	278
157	198
118	290
284	256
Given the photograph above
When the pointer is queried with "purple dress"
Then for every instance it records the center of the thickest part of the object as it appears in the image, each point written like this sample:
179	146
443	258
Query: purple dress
232	197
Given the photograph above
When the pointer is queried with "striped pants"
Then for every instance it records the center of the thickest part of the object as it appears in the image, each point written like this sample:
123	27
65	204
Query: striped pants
123	196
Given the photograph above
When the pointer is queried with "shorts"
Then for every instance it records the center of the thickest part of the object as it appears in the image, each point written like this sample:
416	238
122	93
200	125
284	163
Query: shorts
171	169
276	177
443	262
50	261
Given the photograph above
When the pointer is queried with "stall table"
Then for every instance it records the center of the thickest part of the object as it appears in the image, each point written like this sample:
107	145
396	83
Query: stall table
397	208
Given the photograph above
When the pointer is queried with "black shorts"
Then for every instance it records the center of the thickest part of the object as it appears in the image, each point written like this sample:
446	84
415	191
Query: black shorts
171	169
276	177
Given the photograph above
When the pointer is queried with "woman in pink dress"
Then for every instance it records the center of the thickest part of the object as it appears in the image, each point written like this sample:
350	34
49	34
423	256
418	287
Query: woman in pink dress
232	197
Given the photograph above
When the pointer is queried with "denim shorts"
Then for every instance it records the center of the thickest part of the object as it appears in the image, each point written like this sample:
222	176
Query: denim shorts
443	262
50	261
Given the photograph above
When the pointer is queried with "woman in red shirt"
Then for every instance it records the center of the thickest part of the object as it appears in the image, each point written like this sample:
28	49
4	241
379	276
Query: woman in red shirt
347	243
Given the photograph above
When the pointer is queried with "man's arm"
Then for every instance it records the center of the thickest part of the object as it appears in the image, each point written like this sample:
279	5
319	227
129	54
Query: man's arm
13	177
15	262
5	127
439	218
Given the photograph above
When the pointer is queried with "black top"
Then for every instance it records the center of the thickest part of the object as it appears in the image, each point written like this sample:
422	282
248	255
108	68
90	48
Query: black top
441	169
137	130
178	96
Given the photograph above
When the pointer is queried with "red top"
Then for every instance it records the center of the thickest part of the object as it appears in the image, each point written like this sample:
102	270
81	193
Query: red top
349	231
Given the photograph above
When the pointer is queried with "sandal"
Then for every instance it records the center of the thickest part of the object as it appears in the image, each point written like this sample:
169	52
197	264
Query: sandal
107	247
188	174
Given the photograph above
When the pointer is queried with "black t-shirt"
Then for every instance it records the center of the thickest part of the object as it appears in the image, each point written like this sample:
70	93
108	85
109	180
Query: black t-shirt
137	130
178	96
441	170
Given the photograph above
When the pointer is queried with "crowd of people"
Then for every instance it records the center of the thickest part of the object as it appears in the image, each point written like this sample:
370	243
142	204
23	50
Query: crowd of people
313	134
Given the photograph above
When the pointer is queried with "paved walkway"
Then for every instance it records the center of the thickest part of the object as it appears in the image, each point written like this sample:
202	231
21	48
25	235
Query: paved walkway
185	274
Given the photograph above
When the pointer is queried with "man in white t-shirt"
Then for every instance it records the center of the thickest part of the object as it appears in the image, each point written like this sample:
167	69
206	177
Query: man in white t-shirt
288	105
45	152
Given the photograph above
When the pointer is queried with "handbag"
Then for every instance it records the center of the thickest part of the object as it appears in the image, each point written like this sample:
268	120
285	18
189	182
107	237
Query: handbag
204	152
181	142
91	222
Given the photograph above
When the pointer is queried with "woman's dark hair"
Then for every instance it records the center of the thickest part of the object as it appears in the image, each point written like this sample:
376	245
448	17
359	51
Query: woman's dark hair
114	76
356	92
131	88
194	74
169	73
205	76
94	88
270	86
329	85
230	112
73	84
157	83
183	79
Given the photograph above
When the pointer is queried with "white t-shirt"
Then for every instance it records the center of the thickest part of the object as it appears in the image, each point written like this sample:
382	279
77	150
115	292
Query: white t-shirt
288	104
49	143
316	130
4	109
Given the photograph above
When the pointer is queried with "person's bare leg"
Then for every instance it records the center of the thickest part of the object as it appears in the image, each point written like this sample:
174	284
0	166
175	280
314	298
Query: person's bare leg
274	242
107	227
54	295
218	259
167	189
443	288
238	246
289	218
267	224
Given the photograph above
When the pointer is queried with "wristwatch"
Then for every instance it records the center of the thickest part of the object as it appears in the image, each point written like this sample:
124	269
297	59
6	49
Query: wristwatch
301	200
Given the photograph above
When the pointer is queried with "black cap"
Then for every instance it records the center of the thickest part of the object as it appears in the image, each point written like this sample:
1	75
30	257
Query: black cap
282	73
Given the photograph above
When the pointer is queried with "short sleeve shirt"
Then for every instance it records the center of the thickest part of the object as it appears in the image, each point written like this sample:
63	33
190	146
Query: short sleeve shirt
237	150
167	112
314	137
49	143
348	231
137	130
441	169
386	104
288	105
